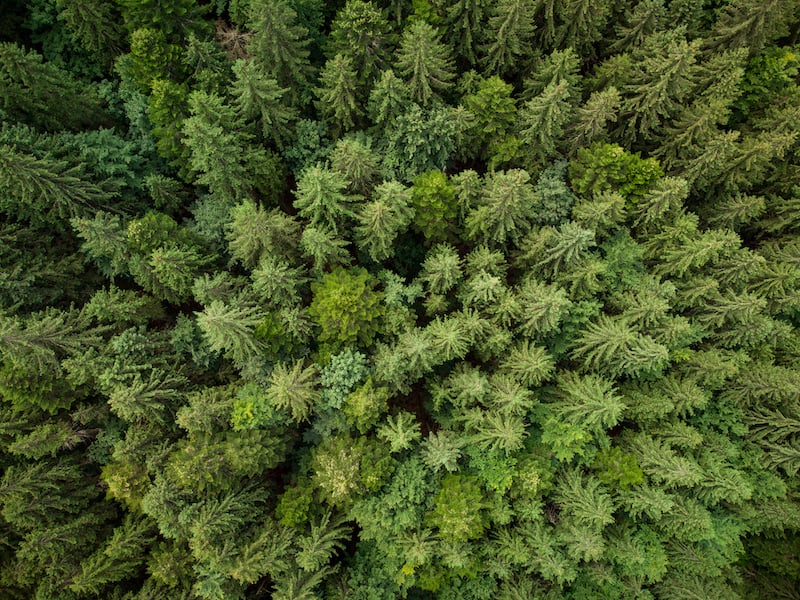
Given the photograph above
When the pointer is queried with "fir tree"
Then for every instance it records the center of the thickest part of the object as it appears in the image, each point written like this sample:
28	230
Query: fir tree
424	62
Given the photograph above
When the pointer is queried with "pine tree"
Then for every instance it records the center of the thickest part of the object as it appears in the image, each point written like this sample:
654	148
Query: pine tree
464	20
424	62
338	99
509	36
325	538
253	232
280	47
45	190
582	23
28	85
646	17
748	24
543	119
230	328
585	500
502	214
320	197
388	99
260	97
362	34
383	219
661	80
95	25
294	389
590	121
355	158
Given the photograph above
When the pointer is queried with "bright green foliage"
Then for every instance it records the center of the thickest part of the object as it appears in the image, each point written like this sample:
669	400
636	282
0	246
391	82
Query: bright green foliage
343	469
346	307
424	62
517	319
364	406
457	509
433	200
493	109
400	431
609	167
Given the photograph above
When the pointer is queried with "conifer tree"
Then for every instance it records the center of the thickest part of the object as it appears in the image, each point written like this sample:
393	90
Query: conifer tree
337	93
424	62
321	198
509	36
259	97
362	34
280	47
502	215
381	220
464	21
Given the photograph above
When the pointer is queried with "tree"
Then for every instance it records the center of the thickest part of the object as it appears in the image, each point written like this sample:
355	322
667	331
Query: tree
543	119
747	24
433	201
464	21
657	86
321	198
280	47
346	307
509	36
425	62
590	121
230	328
645	18
457	509
27	85
383	219
355	158
362	34
582	23
294	389
260	97
388	99
502	215
337	93
45	190
254	232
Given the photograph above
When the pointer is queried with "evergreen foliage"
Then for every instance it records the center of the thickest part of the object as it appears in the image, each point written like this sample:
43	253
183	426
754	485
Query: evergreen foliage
448	299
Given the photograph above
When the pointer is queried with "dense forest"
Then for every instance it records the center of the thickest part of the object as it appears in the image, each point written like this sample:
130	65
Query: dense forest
450	299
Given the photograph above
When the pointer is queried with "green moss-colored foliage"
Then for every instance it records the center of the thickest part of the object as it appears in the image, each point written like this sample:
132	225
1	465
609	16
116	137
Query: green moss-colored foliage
609	167
434	203
347	308
457	509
